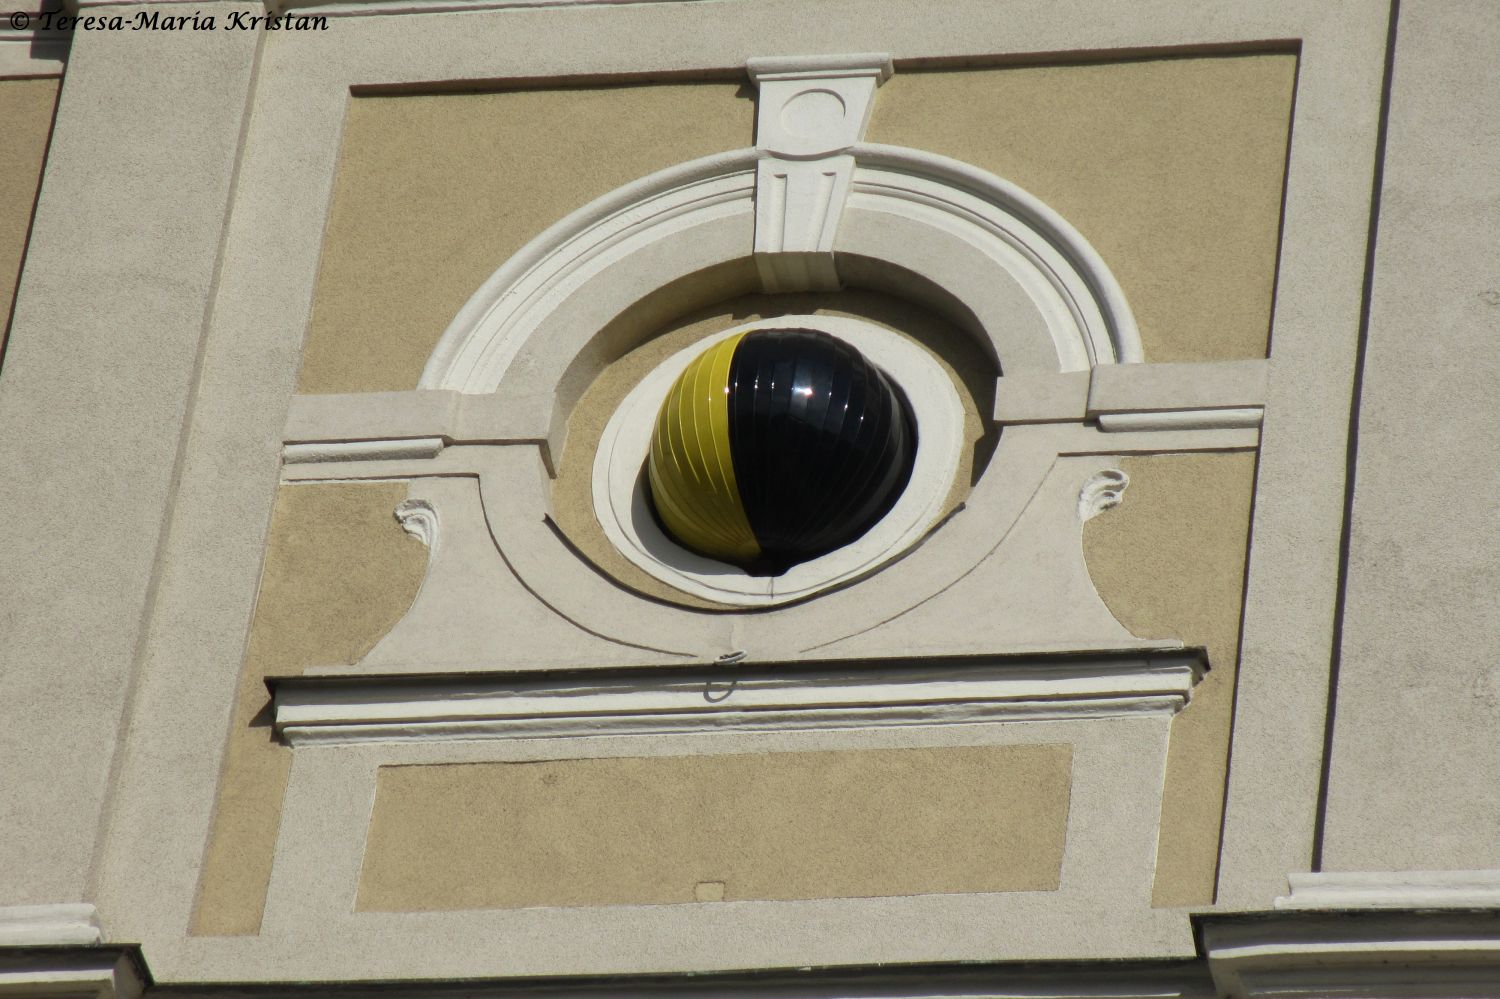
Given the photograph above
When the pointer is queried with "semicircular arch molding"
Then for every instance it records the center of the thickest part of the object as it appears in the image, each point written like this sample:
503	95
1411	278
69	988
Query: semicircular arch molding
1041	299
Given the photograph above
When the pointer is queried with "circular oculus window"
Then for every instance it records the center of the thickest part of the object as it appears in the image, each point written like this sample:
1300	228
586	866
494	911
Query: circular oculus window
779	458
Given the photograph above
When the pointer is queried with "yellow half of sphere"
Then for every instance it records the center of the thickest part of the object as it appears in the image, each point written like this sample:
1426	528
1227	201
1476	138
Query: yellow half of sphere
691	467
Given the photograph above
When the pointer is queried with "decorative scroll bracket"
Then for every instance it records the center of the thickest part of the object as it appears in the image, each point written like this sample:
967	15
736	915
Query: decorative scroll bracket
811	110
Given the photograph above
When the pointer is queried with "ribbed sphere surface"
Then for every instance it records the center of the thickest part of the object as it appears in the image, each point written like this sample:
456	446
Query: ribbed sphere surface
777	446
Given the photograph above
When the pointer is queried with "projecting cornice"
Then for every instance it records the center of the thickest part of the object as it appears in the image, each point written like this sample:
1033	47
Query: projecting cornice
27	49
351	8
356	8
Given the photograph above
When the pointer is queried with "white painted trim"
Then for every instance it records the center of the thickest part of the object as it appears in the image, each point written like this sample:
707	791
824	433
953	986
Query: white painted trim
843	695
379	450
411	415
72	973
1178	385
63	923
1086	311
31	52
1184	419
1211	395
419	519
1392	890
476	350
810	109
621	506
798	206
1103	491
820	67
996	227
1402	955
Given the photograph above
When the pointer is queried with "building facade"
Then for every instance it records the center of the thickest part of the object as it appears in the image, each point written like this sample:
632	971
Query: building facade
394	603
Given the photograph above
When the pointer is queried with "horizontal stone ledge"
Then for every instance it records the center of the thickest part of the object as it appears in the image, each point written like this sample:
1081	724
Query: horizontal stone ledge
1395	954
1473	889
775	697
354	8
454	416
1244	418
32	51
59	924
1205	395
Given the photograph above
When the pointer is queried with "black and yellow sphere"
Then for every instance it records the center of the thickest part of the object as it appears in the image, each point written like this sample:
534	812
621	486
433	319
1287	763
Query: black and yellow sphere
777	446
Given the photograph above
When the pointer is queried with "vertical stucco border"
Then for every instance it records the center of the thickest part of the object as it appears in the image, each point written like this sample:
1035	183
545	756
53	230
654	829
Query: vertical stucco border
214	542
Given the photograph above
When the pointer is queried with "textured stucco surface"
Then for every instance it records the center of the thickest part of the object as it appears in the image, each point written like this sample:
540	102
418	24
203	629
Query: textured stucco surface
1171	168
105	335
1169	562
572	496
1414	768
339	572
735	827
435	192
26	118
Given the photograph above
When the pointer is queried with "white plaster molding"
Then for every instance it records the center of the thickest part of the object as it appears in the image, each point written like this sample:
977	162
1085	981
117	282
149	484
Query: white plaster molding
1183	419
621	506
821	67
1103	491
1393	890
813	106
1018	235
478	347
797	210
456	418
1178	385
1083	438
809	109
419	519
32	51
57	924
406	449
1150	398
72	973
775	698
1006	250
1385	956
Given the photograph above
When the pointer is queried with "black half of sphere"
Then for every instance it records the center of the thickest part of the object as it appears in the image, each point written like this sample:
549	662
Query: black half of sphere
822	441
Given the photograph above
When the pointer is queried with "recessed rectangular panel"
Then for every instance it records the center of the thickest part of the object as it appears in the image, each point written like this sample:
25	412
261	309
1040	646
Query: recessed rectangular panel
653	830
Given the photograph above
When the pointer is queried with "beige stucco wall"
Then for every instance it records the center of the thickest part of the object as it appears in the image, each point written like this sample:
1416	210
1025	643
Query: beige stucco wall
656	830
1169	562
434	192
1171	168
572	496
339	572
26	120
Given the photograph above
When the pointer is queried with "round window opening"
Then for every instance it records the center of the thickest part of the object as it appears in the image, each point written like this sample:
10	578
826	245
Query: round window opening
777	446
778	459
